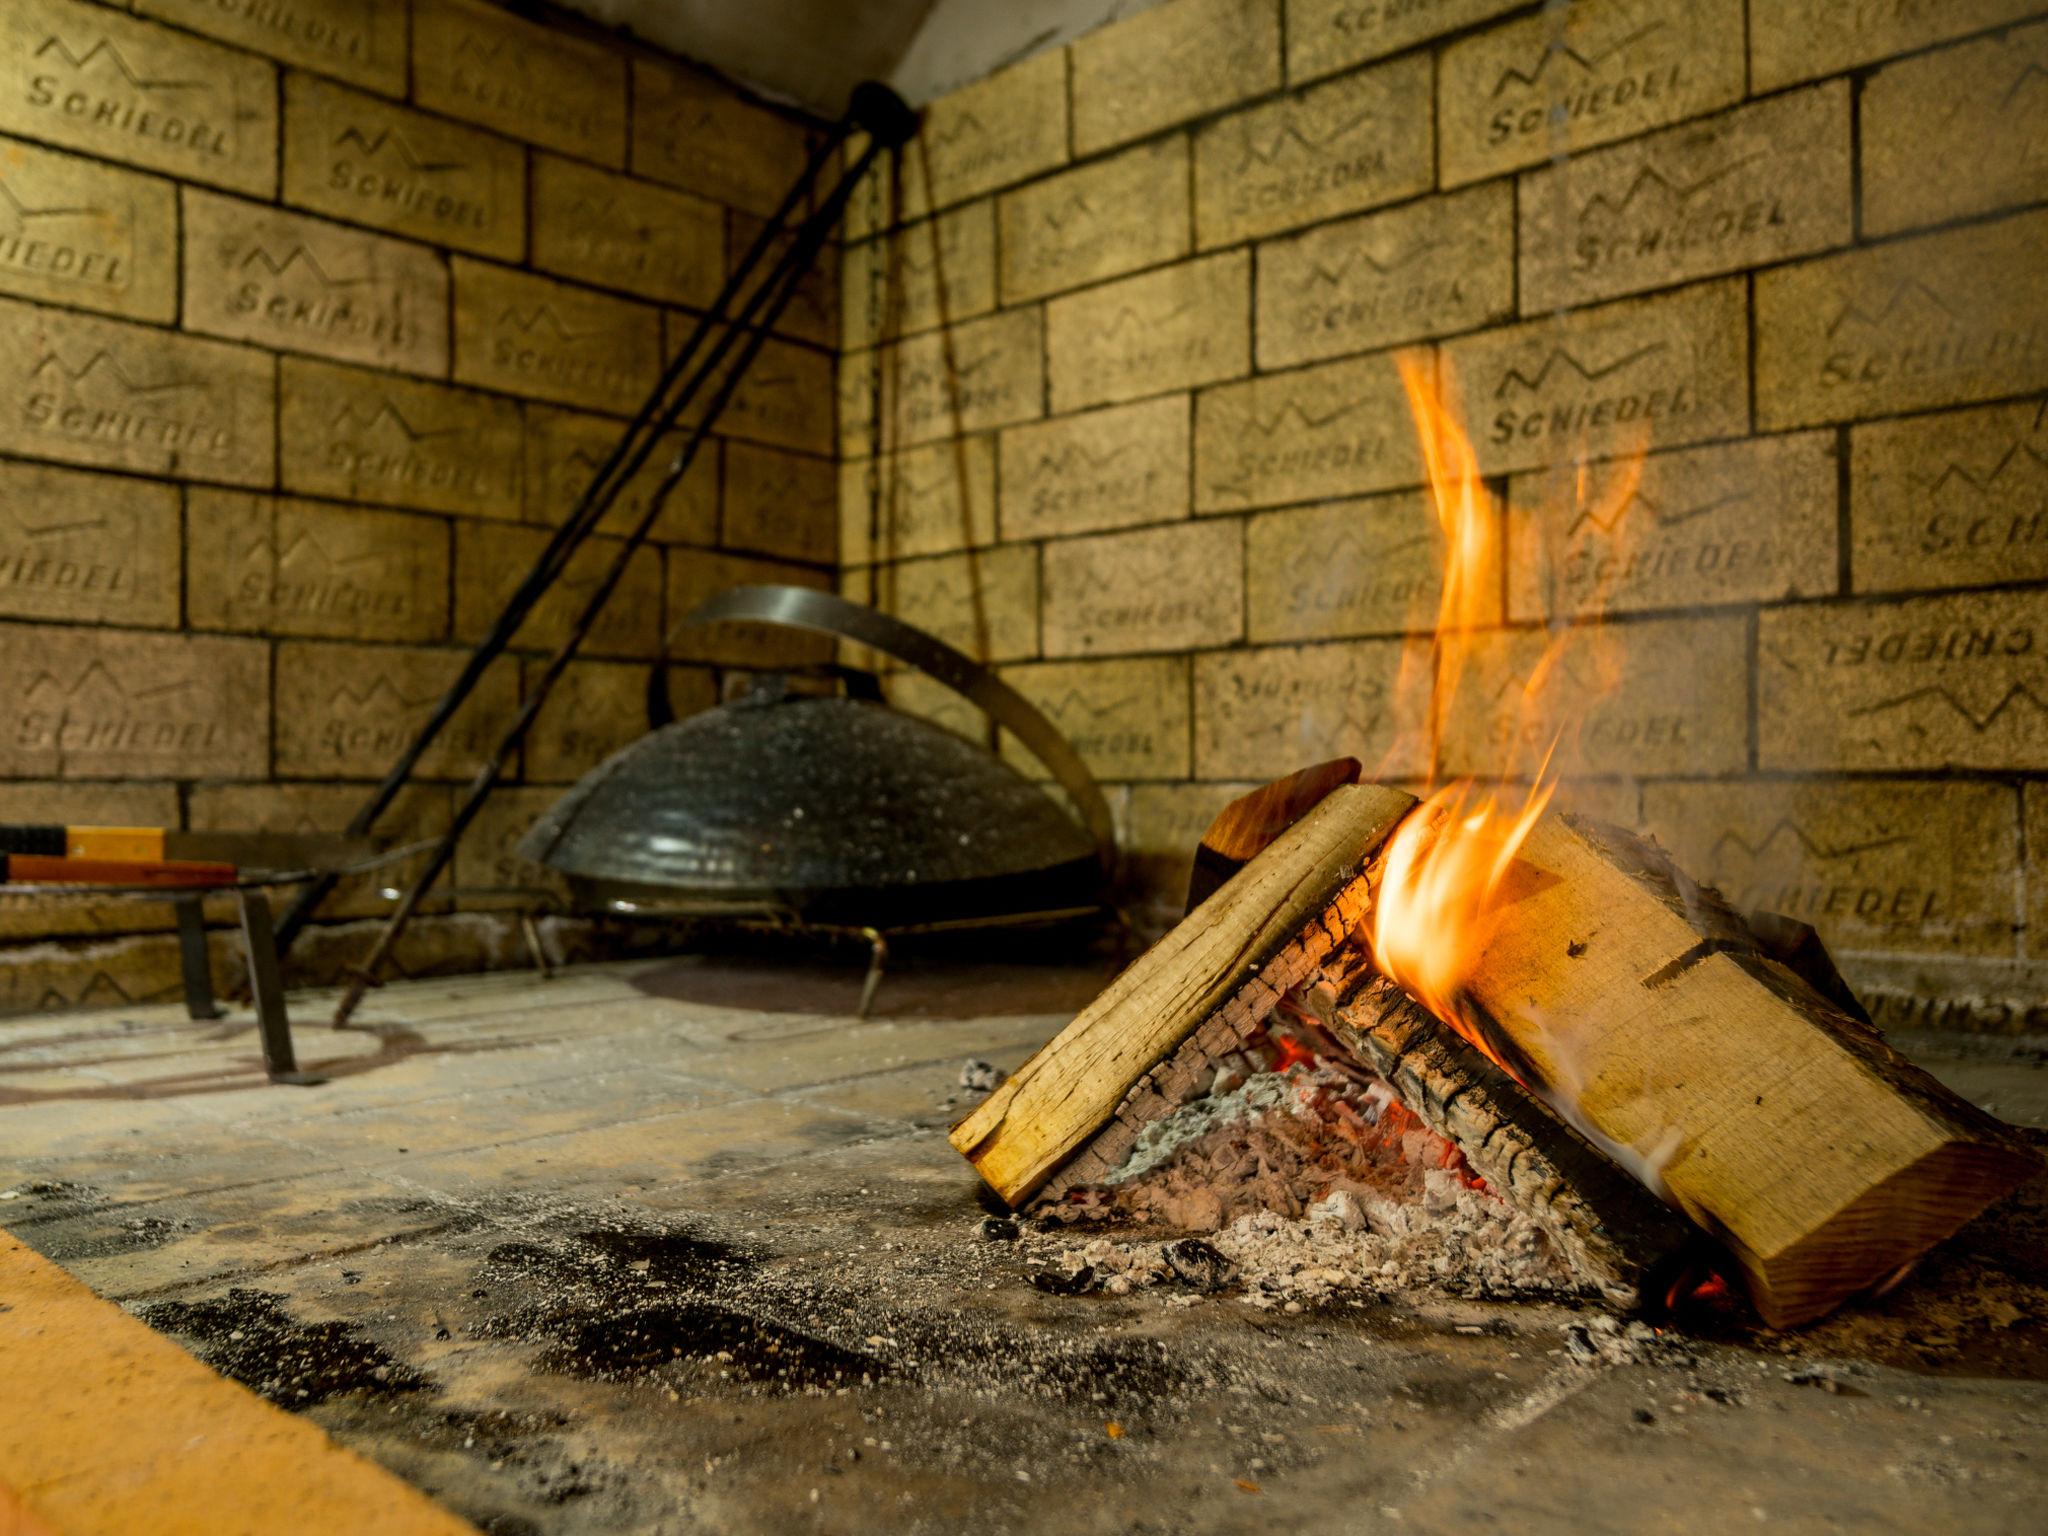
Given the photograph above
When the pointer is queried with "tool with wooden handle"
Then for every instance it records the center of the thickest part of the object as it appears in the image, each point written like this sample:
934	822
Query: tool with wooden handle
155	845
165	874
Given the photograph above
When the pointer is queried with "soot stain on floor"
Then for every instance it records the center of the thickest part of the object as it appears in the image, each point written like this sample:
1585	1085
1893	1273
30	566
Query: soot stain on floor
619	1303
248	1337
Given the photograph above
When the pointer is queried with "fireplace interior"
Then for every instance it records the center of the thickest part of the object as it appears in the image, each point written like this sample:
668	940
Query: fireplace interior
1078	767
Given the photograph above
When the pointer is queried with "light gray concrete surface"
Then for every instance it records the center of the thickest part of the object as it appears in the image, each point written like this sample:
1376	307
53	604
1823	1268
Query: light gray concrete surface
680	1247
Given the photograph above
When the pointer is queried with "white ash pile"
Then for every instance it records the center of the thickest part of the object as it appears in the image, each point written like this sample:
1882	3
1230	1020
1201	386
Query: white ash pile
1307	1181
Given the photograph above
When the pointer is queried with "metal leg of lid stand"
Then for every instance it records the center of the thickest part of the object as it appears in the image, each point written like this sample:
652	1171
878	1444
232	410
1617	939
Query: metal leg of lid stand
266	987
192	957
878	958
537	951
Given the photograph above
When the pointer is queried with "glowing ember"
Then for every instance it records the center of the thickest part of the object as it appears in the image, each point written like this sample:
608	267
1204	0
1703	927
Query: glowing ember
1445	865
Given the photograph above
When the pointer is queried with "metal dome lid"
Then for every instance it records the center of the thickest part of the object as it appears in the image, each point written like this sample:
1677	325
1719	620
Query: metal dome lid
816	804
834	809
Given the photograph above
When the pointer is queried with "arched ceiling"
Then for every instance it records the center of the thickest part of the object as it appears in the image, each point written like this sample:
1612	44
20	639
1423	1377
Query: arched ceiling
812	52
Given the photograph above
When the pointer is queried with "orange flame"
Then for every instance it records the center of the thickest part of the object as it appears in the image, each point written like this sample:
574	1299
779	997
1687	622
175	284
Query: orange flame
1440	900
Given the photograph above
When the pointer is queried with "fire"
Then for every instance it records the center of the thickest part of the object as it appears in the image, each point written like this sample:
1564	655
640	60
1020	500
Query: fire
1440	901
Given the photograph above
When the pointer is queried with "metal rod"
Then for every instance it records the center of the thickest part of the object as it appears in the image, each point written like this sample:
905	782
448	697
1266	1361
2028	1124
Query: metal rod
194	960
266	990
610	478
753	325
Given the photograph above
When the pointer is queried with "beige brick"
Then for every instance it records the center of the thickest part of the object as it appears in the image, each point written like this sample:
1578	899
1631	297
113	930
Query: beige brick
1874	864
347	711
1921	683
1936	320
474	61
784	399
30	916
926	501
1520	93
74	231
782	504
1176	61
259	274
2035	809
420	811
91	391
1640	373
532	336
1432	268
1162	825
1791	40
281	566
106	704
1665	696
364	436
596	708
89	78
695	576
1262	713
1112	468
936	271
812	313
932	701
1324	36
986	373
1128	719
491	561
564	449
359	158
1737	522
1954	500
1334	430
88	548
1368	567
1957	132
994	132
1144	335
695	132
1174	588
1749	187
1097	221
1617	802
360	41
983	602
114	973
621	233
1347	144
489	874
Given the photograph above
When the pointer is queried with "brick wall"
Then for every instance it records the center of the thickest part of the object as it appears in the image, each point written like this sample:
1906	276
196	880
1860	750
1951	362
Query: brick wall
1118	411
314	316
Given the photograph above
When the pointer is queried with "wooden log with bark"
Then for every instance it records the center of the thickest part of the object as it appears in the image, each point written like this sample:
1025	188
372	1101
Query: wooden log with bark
1645	1011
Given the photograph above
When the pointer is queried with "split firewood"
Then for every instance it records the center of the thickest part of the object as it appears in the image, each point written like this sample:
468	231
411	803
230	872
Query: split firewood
1246	826
1066	1093
1645	1011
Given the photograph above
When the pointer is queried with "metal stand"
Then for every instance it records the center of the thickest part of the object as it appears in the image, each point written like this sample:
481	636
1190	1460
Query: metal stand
193	960
266	987
266	984
719	340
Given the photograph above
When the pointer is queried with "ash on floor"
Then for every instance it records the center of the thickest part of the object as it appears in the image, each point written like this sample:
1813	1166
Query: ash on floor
654	1264
1309	1182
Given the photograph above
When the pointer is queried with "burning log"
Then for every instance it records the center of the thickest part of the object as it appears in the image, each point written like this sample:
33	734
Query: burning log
1273	921
1643	1009
1629	1039
1613	1231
